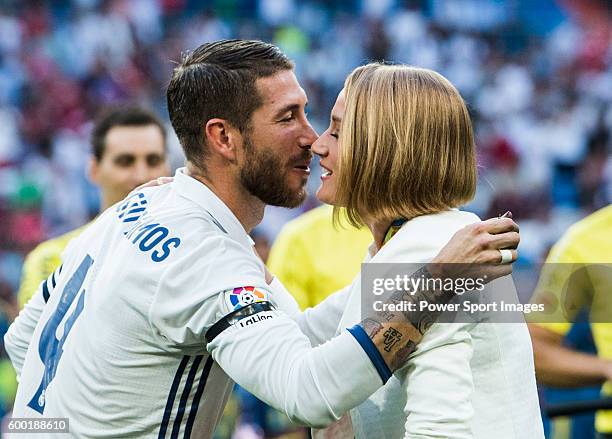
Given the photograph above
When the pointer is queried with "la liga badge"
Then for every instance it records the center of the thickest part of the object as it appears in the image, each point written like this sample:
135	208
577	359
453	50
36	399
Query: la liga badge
244	296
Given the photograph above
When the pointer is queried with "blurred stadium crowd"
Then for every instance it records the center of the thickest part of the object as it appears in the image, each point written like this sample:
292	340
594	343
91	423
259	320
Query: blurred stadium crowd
535	74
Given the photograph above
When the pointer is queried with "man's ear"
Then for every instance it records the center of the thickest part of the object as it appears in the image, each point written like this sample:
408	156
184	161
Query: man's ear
223	138
93	170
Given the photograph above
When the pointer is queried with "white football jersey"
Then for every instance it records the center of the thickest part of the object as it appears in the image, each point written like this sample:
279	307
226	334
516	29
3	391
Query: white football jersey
119	339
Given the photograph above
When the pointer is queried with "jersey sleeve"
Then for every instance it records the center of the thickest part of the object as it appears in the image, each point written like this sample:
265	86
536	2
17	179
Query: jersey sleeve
268	355
19	335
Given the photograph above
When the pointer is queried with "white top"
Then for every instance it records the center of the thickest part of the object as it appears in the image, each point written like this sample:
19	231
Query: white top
465	380
119	347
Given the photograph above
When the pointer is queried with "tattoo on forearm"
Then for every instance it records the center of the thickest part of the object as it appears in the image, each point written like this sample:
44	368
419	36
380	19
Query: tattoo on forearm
424	322
371	327
392	337
396	334
387	315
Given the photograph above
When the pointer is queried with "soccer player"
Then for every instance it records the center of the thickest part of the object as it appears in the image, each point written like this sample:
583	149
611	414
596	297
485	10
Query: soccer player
128	149
577	274
162	302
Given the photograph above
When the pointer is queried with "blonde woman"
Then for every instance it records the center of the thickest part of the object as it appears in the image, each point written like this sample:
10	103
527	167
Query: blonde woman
400	149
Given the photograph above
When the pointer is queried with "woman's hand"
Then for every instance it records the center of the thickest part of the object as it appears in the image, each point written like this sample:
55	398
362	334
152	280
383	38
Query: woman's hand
474	251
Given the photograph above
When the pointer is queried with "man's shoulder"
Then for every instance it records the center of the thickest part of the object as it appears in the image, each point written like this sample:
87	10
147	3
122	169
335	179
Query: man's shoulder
172	229
160	228
43	260
597	222
162	205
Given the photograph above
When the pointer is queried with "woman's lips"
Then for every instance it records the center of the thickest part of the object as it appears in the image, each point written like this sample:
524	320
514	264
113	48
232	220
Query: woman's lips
327	173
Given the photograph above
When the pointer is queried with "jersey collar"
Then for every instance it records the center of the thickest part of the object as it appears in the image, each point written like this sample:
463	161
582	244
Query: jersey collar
215	209
393	229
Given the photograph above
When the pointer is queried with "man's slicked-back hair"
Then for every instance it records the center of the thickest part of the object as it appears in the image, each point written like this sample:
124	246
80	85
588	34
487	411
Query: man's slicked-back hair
217	80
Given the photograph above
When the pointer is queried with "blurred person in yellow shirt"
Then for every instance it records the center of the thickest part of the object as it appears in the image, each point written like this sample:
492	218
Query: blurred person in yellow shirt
128	149
313	258
577	274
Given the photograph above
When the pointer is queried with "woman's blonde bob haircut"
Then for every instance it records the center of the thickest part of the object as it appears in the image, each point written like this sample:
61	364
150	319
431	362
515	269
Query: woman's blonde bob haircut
406	145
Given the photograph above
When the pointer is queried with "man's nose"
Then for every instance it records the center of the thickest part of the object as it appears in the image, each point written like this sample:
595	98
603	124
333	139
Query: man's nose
140	174
309	137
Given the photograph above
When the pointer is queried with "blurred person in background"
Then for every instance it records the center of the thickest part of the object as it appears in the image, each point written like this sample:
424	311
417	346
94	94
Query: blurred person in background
577	276
313	257
128	149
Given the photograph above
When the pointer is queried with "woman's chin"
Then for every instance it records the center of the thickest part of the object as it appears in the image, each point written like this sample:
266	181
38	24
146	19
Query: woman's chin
324	196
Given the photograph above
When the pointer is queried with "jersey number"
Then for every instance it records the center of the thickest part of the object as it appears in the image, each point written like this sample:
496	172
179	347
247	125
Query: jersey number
50	348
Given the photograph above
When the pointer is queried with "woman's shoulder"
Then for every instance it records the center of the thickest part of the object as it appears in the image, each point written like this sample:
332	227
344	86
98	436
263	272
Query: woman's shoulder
421	238
445	222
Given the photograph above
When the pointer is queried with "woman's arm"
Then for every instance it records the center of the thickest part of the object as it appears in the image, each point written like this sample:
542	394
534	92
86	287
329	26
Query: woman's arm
439	386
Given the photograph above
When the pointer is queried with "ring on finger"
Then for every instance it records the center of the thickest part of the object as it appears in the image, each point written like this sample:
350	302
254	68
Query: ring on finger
506	256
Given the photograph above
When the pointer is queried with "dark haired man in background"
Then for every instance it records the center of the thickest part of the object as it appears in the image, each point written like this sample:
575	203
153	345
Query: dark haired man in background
128	149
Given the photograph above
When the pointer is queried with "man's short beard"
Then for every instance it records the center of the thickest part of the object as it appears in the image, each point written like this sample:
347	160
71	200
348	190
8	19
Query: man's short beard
264	175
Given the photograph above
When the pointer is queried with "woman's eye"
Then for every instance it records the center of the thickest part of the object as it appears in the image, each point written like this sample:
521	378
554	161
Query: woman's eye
334	135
